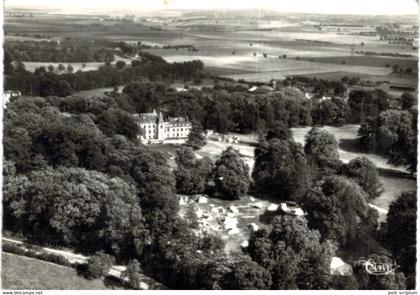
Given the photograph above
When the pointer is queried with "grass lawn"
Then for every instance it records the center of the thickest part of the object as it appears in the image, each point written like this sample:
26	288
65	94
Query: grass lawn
20	272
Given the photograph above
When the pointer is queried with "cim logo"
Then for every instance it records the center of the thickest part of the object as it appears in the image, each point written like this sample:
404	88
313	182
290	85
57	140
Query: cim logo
378	268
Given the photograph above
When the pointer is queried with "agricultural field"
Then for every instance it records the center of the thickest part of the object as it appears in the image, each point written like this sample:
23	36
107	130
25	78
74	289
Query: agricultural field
24	273
303	57
371	81
371	61
243	48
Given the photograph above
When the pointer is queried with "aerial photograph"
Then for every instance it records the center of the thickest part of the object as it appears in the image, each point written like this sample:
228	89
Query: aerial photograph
209	145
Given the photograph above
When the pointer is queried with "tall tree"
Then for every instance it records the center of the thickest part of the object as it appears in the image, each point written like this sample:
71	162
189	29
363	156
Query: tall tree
365	174
293	254
338	208
401	233
231	175
321	149
281	170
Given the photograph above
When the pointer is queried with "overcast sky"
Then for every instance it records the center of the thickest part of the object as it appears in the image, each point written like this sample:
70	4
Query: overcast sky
314	6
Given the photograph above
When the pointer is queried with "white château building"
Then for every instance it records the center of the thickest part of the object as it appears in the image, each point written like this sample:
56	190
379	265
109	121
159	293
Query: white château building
155	129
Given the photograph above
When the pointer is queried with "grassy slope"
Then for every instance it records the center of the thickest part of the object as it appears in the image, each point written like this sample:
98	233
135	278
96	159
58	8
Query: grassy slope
27	273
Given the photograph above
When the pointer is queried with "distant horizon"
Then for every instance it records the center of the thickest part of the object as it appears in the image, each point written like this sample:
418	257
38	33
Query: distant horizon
323	7
92	11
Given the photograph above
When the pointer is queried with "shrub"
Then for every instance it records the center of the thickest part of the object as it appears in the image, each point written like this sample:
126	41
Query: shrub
98	265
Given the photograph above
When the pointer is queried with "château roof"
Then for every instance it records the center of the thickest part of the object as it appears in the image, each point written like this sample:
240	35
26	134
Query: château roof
155	117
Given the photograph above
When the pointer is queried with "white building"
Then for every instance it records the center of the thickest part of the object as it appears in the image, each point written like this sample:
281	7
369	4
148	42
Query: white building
155	129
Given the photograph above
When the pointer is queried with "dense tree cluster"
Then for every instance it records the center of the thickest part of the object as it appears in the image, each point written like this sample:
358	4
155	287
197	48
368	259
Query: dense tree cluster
74	207
192	175
231	175
68	50
392	133
222	109
321	149
98	265
333	112
338	208
400	232
75	175
335	201
196	138
293	254
393	281
365	104
365	174
320	86
281	169
128	209
45	83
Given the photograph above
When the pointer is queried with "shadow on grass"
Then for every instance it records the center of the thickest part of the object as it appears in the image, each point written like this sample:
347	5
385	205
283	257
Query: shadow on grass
268	216
353	146
363	249
109	281
394	173
115	283
81	270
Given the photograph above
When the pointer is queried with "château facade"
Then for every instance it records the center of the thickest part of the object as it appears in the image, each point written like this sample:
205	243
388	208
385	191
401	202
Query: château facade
155	129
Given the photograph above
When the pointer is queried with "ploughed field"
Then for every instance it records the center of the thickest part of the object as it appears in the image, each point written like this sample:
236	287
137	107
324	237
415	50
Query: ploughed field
229	44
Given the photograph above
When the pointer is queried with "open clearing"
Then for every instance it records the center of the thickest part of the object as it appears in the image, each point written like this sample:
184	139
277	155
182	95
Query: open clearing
394	183
24	273
394	179
234	226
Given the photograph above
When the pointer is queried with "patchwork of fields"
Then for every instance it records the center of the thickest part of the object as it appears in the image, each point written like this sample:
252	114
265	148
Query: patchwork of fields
243	48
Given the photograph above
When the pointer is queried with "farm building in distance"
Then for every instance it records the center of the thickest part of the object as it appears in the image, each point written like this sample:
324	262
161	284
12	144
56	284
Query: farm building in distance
155	129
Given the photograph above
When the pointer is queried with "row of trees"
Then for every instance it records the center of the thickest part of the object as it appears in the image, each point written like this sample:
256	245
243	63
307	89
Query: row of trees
65	51
229	175
234	108
46	83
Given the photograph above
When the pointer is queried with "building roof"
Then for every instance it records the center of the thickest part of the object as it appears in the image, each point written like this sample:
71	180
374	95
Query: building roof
149	117
177	120
158	117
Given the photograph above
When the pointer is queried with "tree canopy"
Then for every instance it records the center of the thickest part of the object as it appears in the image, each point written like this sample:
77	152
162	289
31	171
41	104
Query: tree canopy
293	254
281	170
231	175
